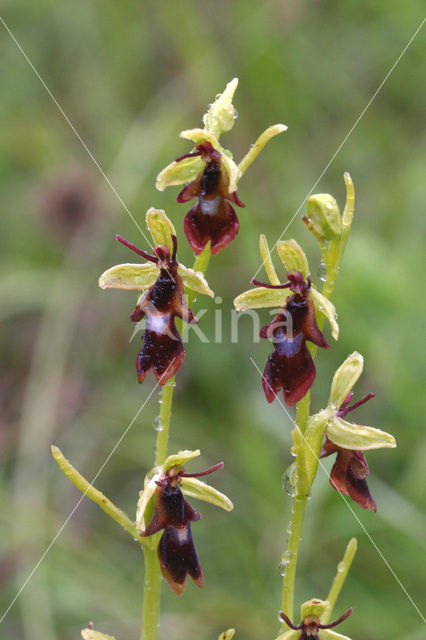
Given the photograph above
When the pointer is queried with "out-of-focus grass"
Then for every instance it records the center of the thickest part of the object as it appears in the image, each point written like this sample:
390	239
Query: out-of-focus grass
130	76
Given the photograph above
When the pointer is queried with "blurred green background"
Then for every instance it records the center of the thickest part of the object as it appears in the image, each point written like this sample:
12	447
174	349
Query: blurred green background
130	75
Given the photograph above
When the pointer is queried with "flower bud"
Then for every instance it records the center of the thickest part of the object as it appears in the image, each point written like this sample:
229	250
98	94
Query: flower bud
325	221
91	634
293	256
227	635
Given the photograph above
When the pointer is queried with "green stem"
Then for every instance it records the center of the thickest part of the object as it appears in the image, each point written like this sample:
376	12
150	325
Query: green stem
152	584
164	422
303	484
151	596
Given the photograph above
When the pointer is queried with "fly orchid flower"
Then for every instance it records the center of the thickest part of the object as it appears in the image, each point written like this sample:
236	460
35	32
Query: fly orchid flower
173	513
311	627
162	279
290	366
350	471
212	176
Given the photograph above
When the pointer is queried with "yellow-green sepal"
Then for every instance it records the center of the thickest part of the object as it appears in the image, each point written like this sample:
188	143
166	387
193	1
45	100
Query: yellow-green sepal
289	635
195	488
134	277
161	227
357	437
227	635
221	114
261	297
345	378
314	607
267	260
293	256
91	634
201	136
181	172
195	281
179	459
329	634
327	308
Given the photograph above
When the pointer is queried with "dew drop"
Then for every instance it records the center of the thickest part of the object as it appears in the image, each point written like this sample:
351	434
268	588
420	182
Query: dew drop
322	271
341	567
158	424
235	114
289	480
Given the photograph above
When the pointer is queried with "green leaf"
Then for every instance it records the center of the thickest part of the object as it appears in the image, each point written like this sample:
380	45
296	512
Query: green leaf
220	116
328	309
161	227
90	634
257	147
293	257
357	437
181	172
267	260
197	489
261	297
195	281
345	378
128	276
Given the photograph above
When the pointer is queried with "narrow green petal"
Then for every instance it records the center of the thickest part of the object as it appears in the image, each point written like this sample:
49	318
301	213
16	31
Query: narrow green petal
161	227
195	281
179	459
267	260
327	308
345	379
293	256
261	297
90	634
133	277
357	437
181	172
328	634
255	149
221	114
233	173
197	489
200	136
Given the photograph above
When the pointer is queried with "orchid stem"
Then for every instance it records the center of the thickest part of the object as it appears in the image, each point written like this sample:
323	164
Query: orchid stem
290	556
152	583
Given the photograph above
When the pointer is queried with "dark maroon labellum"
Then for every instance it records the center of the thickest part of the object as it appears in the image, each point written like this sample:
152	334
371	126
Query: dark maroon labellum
350	470
290	366
162	348
173	513
212	217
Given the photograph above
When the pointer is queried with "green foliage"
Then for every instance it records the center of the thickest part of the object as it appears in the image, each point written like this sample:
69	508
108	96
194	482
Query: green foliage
129	75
